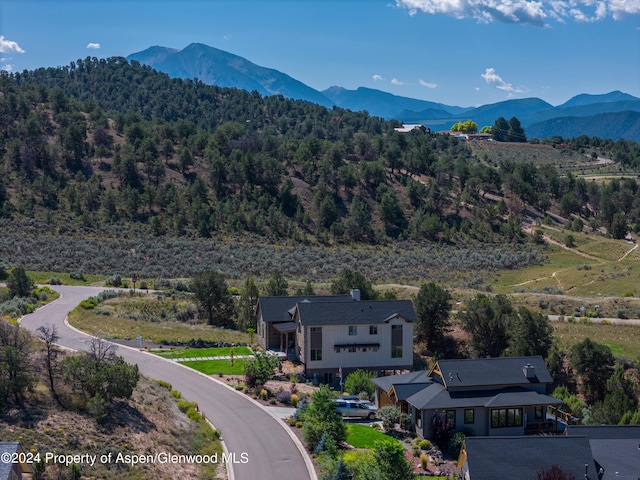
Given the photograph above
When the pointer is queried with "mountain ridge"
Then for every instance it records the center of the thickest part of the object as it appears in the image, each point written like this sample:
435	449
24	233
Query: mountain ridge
218	67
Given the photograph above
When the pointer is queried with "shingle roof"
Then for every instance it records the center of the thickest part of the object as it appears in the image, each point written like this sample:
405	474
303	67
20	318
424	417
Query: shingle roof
489	458
5	468
486	372
615	447
436	397
354	313
276	309
385	383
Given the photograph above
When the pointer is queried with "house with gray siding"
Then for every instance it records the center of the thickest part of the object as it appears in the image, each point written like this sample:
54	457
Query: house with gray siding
339	333
504	396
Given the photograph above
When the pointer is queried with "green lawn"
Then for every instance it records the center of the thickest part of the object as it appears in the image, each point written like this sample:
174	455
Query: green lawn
363	436
213	367
202	352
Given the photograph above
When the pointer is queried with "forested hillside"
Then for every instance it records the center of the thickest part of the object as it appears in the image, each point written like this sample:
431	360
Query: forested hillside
111	148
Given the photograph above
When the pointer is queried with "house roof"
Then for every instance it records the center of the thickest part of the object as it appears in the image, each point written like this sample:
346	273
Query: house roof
490	372
355	313
5	467
615	447
385	383
437	397
280	309
489	458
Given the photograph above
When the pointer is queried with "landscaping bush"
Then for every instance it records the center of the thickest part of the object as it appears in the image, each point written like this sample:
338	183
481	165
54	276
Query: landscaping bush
425	445
284	397
455	444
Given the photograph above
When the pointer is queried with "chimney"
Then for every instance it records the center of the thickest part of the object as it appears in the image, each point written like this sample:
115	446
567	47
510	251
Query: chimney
355	294
529	371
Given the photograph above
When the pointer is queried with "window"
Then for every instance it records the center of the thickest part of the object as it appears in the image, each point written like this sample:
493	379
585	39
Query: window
451	417
316	354
396	341
353	330
539	413
315	340
469	416
506	417
373	329
352	349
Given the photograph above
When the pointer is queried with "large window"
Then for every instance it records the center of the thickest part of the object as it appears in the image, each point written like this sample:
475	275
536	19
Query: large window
396	341
315	341
506	417
469	416
353	330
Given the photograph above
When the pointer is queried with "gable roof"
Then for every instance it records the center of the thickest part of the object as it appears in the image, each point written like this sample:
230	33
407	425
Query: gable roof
437	397
386	382
280	309
615	447
6	467
355	313
489	458
490	372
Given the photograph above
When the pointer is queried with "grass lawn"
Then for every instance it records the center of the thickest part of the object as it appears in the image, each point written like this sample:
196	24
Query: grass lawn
202	352
127	317
213	367
363	436
623	340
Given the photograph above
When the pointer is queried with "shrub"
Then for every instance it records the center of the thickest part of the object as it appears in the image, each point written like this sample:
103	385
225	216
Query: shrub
284	397
165	385
424	445
390	415
272	401
455	444
77	276
55	281
176	394
294	400
424	461
184	405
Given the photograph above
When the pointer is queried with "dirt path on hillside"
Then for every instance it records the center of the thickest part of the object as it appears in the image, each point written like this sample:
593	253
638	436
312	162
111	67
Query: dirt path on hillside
631	250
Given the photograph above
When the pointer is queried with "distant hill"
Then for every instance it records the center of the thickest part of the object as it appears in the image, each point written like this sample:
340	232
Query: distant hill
586	99
607	125
217	67
384	104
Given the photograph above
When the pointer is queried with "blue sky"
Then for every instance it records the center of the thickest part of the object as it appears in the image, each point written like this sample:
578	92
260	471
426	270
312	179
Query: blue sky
458	52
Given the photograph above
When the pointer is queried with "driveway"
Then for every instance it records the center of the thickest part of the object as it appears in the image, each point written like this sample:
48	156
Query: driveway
246	427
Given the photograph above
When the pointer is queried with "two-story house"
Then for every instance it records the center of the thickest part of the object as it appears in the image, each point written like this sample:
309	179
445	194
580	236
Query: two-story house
486	396
340	333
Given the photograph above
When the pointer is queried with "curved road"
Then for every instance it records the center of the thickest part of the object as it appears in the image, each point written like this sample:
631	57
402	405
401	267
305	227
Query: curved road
271	451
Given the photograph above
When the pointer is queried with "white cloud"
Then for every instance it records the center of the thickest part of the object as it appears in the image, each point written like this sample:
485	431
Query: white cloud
377	78
529	12
94	46
427	84
395	81
9	46
7	67
492	78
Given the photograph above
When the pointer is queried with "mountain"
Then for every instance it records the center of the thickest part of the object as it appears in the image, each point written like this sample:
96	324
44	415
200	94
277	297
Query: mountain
217	67
383	104
614	125
586	99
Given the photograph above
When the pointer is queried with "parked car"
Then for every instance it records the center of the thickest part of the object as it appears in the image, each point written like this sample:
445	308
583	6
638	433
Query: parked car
356	408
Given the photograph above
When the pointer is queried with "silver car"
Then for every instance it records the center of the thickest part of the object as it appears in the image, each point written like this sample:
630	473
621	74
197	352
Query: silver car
356	408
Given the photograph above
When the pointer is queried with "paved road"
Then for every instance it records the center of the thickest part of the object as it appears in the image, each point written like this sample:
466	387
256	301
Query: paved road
245	426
